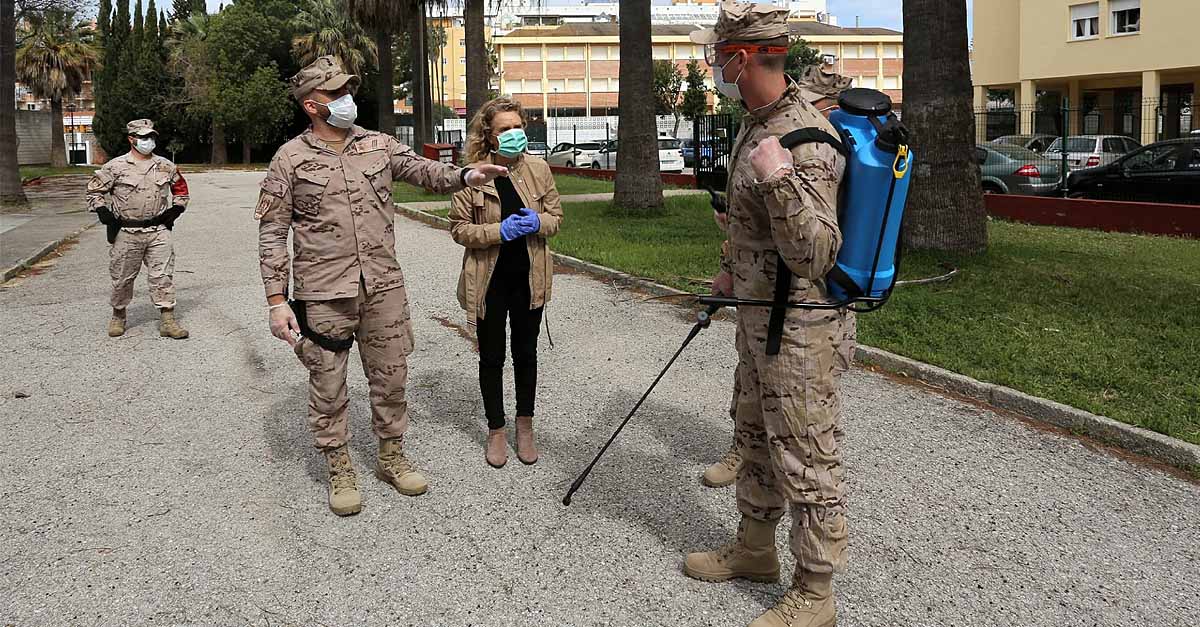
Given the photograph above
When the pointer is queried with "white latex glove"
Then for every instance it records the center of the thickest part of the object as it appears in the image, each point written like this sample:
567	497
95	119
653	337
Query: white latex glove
284	325
770	159
484	174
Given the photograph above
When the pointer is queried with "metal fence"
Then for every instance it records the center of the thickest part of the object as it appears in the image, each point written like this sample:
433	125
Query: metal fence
713	148
1034	150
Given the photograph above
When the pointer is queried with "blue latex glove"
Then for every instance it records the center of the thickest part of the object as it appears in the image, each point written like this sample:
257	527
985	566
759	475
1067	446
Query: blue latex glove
510	228
530	222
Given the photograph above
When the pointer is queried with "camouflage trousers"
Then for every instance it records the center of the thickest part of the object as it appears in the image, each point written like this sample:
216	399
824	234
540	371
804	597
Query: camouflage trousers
381	326
129	252
787	429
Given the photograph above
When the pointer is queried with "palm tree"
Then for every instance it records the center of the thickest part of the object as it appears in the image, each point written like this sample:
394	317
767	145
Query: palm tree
384	17
54	60
638	185
324	28
11	194
479	63
187	59
945	207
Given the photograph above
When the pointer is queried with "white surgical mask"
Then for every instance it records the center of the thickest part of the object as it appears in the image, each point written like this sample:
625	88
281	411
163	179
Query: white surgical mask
342	112
144	145
727	89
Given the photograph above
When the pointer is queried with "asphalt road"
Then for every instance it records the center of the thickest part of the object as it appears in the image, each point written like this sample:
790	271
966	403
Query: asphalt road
151	481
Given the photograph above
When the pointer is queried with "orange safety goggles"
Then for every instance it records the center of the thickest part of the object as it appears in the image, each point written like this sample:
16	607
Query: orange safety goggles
712	50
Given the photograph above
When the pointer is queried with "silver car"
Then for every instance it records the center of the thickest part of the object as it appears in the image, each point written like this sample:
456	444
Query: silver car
1007	169
571	155
1091	151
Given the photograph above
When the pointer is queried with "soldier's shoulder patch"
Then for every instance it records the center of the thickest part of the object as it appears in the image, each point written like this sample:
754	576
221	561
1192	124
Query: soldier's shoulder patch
100	180
265	203
371	142
274	186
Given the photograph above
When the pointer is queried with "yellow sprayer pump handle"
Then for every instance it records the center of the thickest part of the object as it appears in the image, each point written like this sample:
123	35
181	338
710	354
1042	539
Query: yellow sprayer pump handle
900	166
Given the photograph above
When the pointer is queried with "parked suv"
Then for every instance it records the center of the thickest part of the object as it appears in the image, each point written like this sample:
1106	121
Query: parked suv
1168	171
670	159
1090	151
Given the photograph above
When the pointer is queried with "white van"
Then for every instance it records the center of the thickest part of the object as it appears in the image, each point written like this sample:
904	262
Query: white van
670	157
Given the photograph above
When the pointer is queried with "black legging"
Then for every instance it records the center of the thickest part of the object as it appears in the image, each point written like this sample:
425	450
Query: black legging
508	297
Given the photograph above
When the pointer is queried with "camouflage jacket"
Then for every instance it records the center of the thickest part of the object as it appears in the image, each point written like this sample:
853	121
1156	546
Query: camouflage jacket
136	189
339	208
790	216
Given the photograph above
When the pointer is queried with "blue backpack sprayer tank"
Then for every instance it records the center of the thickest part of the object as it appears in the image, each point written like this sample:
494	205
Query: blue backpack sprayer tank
873	195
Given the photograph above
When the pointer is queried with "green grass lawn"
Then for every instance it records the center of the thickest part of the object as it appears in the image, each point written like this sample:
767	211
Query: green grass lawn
1104	322
34	171
567	186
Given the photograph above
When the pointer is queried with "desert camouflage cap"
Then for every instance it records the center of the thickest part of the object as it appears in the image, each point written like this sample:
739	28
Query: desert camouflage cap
325	74
743	21
140	127
816	84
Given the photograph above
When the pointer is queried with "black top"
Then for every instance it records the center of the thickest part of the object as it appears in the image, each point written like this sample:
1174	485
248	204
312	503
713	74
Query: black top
514	256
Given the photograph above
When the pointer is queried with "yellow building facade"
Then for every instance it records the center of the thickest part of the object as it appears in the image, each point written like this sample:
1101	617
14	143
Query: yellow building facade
1128	67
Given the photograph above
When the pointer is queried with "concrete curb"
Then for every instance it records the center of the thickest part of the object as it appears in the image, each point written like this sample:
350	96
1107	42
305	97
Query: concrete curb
29	261
1136	440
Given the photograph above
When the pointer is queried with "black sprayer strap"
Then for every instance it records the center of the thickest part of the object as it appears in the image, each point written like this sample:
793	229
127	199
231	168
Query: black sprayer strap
783	289
811	135
300	310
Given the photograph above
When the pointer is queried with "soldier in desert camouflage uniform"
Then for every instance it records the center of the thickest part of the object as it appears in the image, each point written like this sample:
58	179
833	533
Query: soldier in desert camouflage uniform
138	196
821	89
331	187
782	206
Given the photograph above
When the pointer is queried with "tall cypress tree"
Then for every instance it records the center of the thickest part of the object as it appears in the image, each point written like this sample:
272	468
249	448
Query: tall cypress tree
112	97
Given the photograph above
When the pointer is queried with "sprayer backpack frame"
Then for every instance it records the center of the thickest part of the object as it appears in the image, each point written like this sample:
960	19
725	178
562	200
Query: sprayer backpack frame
870	133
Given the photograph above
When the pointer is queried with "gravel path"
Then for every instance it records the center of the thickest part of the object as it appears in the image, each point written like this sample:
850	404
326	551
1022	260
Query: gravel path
150	481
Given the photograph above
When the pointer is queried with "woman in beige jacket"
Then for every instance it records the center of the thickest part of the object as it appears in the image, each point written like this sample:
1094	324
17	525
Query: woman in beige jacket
507	269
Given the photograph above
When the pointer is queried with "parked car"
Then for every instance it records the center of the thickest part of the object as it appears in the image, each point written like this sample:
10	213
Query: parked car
670	159
1089	151
537	149
687	147
1009	169
574	155
1036	143
1167	171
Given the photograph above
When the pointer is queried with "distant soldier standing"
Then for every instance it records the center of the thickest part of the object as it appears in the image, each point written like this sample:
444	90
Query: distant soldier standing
138	196
331	187
783	238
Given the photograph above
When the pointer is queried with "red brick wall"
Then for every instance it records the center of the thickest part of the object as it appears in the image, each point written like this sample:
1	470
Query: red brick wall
1122	217
606	69
860	67
893	67
565	69
515	70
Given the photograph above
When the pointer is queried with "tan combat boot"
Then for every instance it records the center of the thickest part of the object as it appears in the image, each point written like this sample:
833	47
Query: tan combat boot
497	448
751	556
526	449
344	497
809	603
394	468
168	327
116	326
724	471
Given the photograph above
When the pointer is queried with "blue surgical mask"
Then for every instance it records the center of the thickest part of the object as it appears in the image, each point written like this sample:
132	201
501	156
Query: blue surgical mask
512	142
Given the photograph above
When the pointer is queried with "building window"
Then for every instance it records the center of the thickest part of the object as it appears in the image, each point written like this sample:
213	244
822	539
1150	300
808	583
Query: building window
614	53
891	51
869	51
462	43
1126	16
662	52
575	85
555	53
868	82
575	53
1085	21
556	84
850	52
462	60
512	53
891	82
532	53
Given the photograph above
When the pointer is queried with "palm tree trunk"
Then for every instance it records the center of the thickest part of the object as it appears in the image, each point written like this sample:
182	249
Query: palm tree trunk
245	153
11	194
58	144
477	57
420	74
220	154
945	207
638	185
387	116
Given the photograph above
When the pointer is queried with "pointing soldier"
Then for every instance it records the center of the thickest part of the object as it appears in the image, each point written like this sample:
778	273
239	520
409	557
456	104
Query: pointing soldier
782	221
331	187
138	196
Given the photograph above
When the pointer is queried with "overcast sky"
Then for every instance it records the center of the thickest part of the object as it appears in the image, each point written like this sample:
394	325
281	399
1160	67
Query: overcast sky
870	12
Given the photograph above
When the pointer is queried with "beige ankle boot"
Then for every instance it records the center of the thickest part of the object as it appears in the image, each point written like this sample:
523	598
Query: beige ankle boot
169	327
750	556
344	497
526	448
496	452
116	325
809	603
724	471
394	468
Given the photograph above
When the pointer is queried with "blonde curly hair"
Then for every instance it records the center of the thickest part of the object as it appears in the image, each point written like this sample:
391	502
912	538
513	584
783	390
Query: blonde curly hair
479	136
